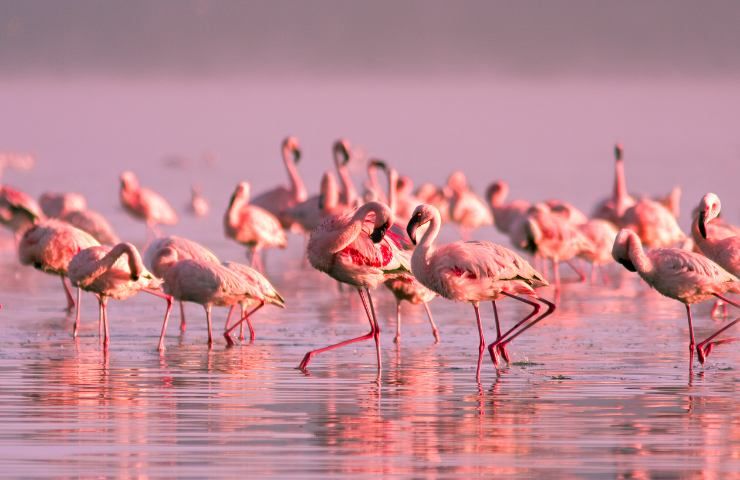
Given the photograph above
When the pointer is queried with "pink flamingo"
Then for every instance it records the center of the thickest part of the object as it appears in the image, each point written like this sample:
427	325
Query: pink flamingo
261	293
681	275
198	203
653	223
601	234
205	283
93	223
342	247
348	194
406	201
145	204
373	191
434	195
56	204
163	252
474	272
251	225
18	210
280	199
715	243
466	208
49	246
505	215
567	211
310	213
612	208
104	272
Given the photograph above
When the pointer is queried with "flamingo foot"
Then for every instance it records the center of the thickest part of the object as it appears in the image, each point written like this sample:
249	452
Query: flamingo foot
397	339
306	360
502	351
703	350
229	341
492	351
435	332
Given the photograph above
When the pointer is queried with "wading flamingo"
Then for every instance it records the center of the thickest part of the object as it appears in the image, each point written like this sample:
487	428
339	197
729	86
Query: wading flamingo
280	199
342	155
18	210
252	226
684	276
505	215
474	272
145	204
353	249
105	272
601	234
163	252
72	208
653	223
49	246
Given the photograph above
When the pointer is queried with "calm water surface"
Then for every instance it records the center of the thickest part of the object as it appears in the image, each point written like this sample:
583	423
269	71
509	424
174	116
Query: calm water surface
601	389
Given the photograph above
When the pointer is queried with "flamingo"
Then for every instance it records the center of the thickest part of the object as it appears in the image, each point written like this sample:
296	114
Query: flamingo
505	215
93	223
163	252
567	211
473	272
55	204
205	283
714	243
353	249
681	275
466	208
49	246
601	234
406	201
18	210
251	225
348	194
280	199
103	271
198	203
612	208
653	223
310	213
262	292
16	161
434	195
145	204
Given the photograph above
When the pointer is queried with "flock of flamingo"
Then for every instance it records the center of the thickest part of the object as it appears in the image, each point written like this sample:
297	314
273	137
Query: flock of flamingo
385	234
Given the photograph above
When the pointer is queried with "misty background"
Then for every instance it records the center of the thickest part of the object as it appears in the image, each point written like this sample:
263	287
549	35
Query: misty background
536	93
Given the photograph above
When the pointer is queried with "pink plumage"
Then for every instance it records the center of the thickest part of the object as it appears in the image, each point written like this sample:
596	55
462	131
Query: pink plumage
145	204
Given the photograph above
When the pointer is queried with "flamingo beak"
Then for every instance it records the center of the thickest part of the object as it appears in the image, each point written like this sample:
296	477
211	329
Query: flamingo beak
296	154
703	224
321	202
627	263
411	228
379	233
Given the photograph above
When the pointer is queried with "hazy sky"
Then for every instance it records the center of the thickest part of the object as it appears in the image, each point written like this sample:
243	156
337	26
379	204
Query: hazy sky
201	37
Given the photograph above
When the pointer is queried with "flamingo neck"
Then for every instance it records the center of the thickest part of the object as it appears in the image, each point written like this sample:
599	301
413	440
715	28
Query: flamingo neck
353	228
232	213
425	247
297	186
349	193
637	256
393	190
136	266
620	187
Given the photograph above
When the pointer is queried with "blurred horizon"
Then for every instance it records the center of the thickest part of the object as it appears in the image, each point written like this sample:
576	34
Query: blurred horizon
201	38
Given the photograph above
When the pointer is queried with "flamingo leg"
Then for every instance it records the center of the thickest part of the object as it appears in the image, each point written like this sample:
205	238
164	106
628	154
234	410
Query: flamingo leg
511	334
245	317
704	348
167	312
556	273
493	346
183	325
76	327
376	333
208	321
397	338
481	344
692	341
100	319
501	348
307	358
435	331
106	338
228	318
579	272
68	294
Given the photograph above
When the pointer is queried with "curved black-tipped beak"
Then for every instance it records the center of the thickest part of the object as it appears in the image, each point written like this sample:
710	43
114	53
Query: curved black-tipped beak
321	202
627	263
379	233
617	152
296	155
379	164
134	277
411	228
703	224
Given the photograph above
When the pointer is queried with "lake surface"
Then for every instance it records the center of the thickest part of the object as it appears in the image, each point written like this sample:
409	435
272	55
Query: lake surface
600	389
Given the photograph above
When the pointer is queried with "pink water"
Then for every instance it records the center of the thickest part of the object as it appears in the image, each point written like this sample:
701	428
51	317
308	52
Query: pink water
601	389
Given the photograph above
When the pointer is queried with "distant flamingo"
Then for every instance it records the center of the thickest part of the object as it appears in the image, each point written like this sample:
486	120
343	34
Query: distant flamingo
613	207
653	223
280	199
261	292
713	242
406	201
164	252
671	201
55	204
466	208
49	246
373	191
474	272
505	214
601	234
18	210
342	155
198	203
353	249
93	223
252	226
205	283
310	213
104	271
434	195
567	211
145	204
16	161
684	276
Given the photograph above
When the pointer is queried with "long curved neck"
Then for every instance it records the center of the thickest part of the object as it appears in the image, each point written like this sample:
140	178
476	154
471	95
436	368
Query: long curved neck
637	255
353	228
392	190
296	182
426	245
620	185
349	192
235	206
135	264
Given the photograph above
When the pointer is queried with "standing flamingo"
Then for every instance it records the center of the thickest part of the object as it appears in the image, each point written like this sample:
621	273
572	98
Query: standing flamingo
280	199
466	208
681	275
613	207
198	203
252	226
601	234
348	194
55	204
163	252
104	271
474	272
72	208
49	246
18	210
653	223
353	249
261	293
505	215
145	204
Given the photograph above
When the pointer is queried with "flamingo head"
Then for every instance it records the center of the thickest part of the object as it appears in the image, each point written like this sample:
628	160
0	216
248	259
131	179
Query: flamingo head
241	191
422	215
620	250
375	163
709	209
291	144
618	152
497	192
457	182
404	184
382	222
129	180
342	151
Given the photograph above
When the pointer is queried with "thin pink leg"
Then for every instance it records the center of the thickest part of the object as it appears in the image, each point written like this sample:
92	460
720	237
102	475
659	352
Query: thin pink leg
376	332
244	318
535	310
508	337
76	328
556	273
397	338
307	358
208	320
183	325
579	272
704	348
501	348
100	320
169	300
106	338
481	344
68	294
692	342
228	318
435	331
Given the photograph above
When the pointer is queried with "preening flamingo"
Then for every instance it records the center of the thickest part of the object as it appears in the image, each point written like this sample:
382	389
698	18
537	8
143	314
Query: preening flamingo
49	246
252	226
145	204
105	272
164	252
505	215
473	272
353	249
281	199
681	275
18	210
261	293
56	204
